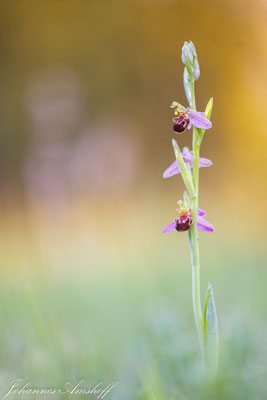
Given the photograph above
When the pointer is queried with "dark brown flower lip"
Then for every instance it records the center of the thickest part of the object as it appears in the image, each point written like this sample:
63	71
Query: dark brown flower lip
181	123
183	222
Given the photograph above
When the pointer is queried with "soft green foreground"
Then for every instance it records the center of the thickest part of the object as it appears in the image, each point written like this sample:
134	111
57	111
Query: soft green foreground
134	326
116	306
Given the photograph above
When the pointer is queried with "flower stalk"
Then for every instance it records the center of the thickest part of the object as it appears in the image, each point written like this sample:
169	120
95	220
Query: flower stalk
194	233
195	246
193	238
191	217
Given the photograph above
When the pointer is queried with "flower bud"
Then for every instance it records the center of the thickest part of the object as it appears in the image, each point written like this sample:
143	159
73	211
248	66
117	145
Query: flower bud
189	58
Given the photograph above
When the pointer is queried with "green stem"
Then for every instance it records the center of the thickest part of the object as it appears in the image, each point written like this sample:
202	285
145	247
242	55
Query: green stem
195	246
193	236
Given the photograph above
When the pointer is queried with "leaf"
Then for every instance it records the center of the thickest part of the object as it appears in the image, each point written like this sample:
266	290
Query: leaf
187	178
207	114
211	337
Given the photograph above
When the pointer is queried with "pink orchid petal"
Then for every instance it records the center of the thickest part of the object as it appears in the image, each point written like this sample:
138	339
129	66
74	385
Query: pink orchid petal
204	162
173	169
169	228
201	212
198	120
204	225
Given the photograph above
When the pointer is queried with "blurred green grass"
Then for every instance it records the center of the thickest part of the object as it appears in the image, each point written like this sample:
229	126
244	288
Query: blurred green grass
129	319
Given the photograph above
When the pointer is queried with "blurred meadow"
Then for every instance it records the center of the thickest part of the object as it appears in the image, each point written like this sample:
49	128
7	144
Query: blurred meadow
90	288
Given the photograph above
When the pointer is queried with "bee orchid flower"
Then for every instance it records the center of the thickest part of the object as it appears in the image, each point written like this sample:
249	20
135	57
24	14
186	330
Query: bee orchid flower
185	220
188	157
185	118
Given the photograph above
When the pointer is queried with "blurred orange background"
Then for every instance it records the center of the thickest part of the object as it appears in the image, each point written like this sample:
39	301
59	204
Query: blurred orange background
86	125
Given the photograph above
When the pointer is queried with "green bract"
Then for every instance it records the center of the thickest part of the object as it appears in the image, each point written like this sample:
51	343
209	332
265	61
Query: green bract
187	177
207	115
210	327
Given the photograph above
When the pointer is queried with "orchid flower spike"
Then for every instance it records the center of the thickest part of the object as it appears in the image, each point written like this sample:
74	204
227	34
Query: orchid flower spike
185	220
185	118
188	157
